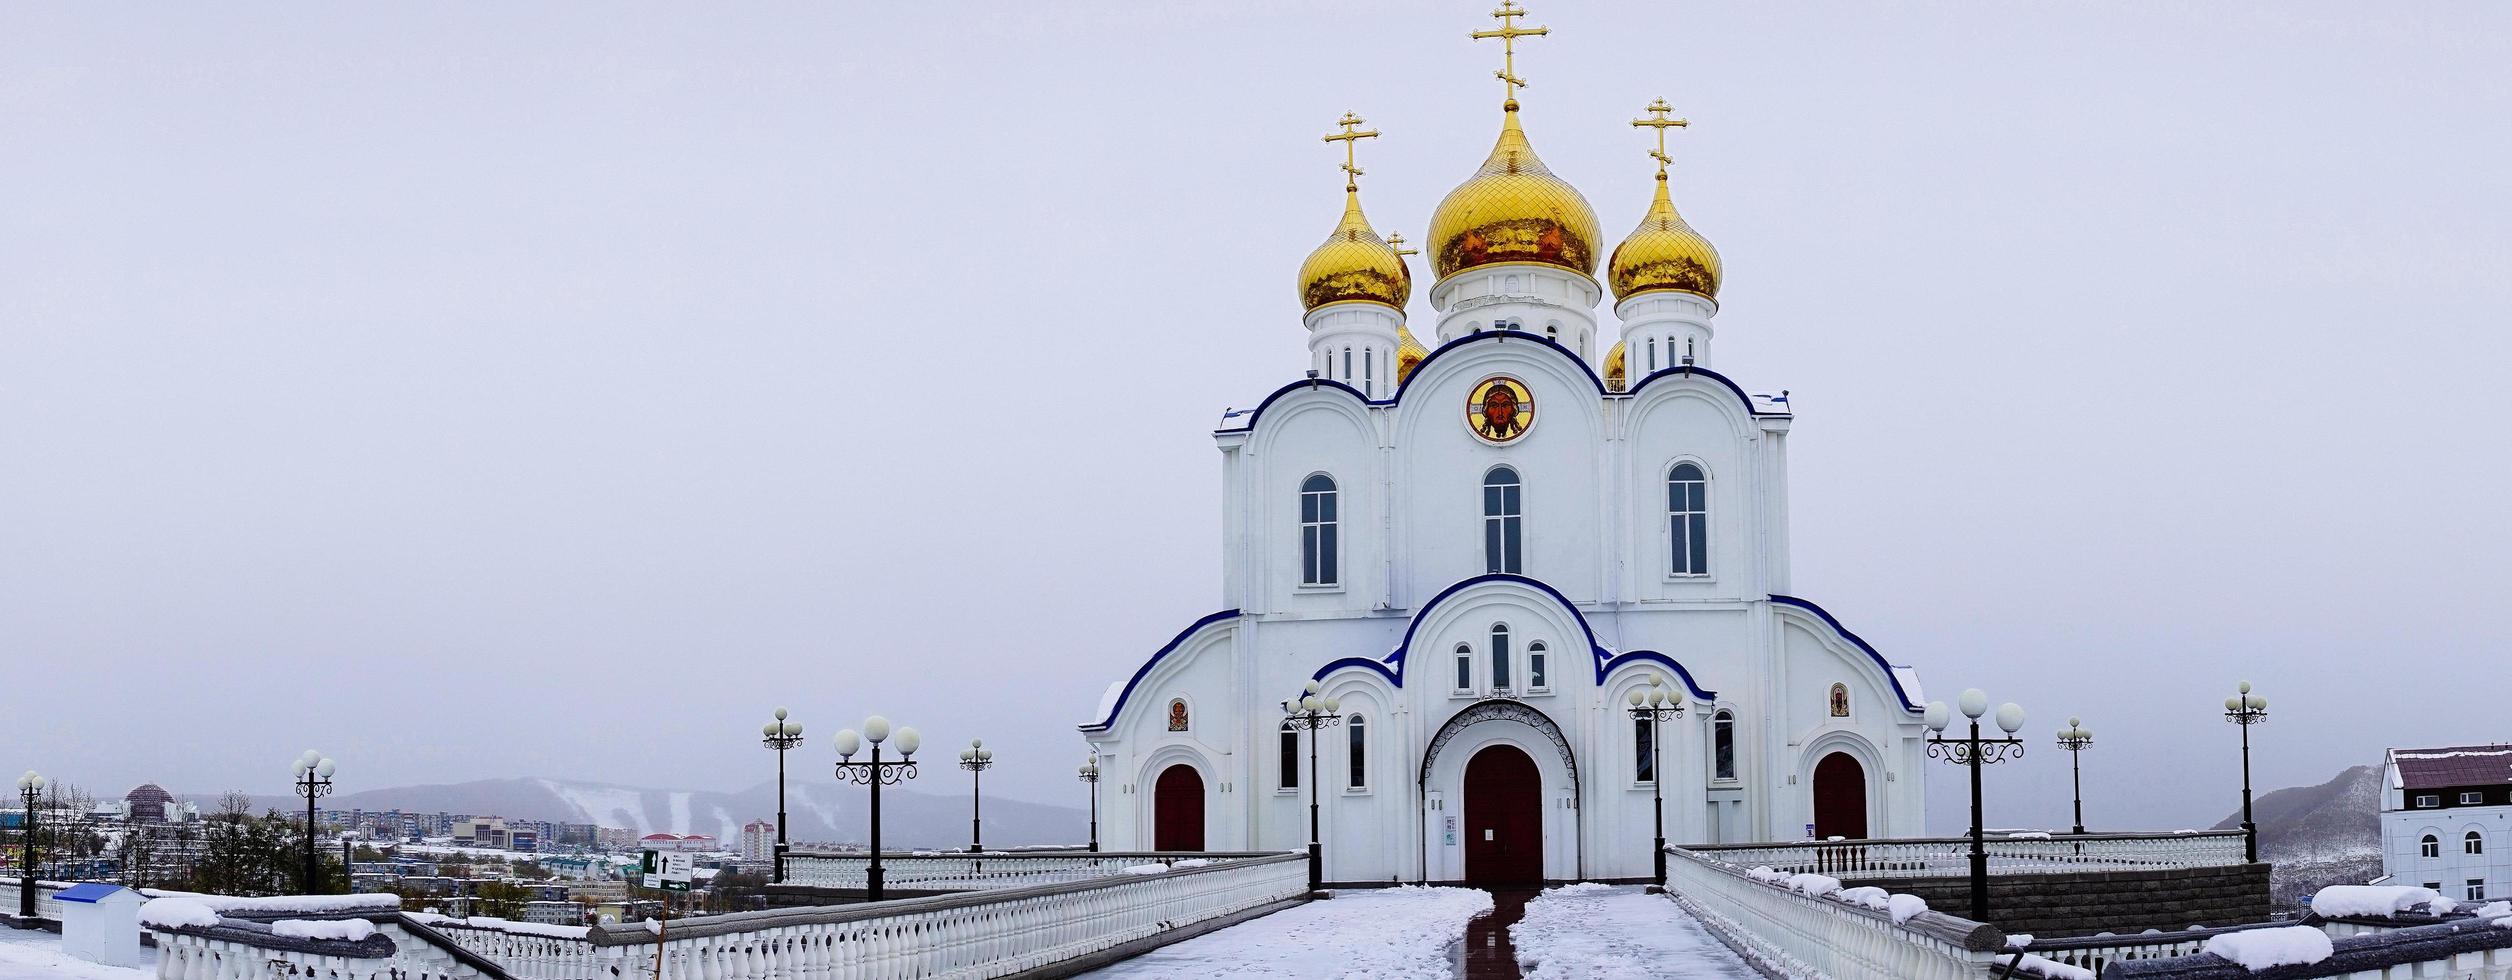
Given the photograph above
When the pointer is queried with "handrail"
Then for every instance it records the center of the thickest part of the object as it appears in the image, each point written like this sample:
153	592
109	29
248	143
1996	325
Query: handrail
613	934
1993	837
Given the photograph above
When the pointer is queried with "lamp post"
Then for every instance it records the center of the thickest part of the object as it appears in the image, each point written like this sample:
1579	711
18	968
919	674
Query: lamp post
780	735
1309	714
2247	709
876	774
1654	706
2075	738
313	779
976	758
29	787
1972	751
1090	774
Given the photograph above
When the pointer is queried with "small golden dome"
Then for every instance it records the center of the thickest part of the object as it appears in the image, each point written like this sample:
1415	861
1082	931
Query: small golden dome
1409	353
1513	210
1615	375
1354	264
1663	253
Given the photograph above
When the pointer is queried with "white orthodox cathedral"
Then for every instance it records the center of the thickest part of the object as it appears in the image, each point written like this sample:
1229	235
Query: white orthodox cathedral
1479	552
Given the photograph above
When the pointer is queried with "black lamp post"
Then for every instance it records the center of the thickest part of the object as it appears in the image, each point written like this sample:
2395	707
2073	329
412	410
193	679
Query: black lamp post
1310	714
1653	705
2075	738
1973	752
29	788
313	780
876	774
976	758
1090	774
780	735
2247	709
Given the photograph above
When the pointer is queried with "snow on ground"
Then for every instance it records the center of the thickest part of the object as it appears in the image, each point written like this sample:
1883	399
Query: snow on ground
28	954
1589	931
1363	934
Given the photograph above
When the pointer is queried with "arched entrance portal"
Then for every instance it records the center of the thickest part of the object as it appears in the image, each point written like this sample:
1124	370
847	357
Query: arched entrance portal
1177	810
1504	818
1840	797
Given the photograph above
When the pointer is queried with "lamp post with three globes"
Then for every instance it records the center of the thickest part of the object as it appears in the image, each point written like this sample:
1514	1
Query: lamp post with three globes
976	758
2075	738
313	778
780	735
876	773
29	787
1653	705
2247	709
1090	775
1972	752
1311	713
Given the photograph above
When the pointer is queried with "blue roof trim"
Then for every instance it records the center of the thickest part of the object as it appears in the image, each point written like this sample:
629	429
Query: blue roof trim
1174	642
89	892
1833	622
1499	336
1747	400
1607	665
1392	674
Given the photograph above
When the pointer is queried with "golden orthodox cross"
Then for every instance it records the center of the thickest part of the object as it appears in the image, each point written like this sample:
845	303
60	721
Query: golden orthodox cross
1395	240
1657	120
1509	33
1350	137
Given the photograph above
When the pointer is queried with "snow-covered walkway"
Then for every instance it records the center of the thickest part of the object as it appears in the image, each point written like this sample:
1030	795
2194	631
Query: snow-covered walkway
1362	934
1589	931
27	954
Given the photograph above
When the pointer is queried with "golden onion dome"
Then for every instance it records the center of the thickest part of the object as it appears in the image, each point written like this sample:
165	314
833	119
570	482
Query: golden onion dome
1409	353
1616	375
1513	210
1663	253
1354	264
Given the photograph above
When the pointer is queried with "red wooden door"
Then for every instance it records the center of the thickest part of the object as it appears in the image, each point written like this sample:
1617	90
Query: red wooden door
1840	798
1177	810
1504	818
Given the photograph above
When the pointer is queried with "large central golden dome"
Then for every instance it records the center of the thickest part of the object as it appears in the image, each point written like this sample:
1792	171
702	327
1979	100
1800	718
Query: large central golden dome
1513	210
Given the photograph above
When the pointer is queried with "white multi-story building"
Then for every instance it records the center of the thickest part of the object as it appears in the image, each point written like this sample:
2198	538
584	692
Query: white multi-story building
1480	552
757	841
2446	820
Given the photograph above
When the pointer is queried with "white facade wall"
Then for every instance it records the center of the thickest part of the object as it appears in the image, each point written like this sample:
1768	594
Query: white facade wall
1597	586
2403	832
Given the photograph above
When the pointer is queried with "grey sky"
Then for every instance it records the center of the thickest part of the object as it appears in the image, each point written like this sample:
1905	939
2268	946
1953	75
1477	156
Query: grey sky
482	390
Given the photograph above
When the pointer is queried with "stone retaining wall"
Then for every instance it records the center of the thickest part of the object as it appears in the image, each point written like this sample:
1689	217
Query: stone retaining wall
2089	902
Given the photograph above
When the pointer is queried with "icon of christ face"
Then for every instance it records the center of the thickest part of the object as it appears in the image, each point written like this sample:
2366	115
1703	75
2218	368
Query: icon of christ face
1500	410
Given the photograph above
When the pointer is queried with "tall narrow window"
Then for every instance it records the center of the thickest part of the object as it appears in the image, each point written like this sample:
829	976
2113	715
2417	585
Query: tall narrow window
1500	521
1552	332
1500	657
1347	364
1652	352
1723	745
1290	742
2474	843
1319	530
1369	372
1644	739
1538	674
1687	520
1357	773
1465	668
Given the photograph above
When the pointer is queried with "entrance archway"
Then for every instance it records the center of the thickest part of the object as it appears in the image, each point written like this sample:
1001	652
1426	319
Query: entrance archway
1840	798
1504	818
1177	810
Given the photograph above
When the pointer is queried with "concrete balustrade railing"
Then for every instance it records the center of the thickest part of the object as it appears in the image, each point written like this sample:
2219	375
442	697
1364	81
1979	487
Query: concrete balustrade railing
982	933
2463	948
1795	934
46	907
1943	856
942	871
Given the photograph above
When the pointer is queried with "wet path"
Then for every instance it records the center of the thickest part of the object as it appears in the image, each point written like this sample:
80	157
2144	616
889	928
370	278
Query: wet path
1487	951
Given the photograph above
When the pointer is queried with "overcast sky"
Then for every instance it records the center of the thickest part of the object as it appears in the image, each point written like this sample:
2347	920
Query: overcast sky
475	390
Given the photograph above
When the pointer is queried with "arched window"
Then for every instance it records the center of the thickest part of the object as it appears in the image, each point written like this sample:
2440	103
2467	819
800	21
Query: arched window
1289	742
1369	372
1538	669
1500	521
2473	843
2431	846
1347	364
1319	531
1723	745
1465	668
1552	332
1500	657
1652	352
1357	772
1644	743
1687	520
